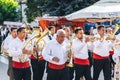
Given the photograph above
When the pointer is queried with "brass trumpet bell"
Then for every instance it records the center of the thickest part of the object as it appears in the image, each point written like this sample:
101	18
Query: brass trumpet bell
70	64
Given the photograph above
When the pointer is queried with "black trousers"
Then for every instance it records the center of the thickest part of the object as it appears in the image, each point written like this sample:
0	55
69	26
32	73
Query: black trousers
112	65
38	67
104	65
61	74
70	71
90	54
22	73
10	69
82	70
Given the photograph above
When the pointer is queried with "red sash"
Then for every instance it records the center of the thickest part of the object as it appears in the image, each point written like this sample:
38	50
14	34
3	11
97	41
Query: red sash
21	65
39	58
54	66
81	61
111	52
95	56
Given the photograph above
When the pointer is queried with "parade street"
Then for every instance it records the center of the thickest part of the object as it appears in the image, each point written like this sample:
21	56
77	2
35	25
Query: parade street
4	66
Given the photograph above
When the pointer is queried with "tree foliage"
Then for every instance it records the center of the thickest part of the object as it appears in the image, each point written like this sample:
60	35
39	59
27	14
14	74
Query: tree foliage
64	7
34	9
55	7
8	10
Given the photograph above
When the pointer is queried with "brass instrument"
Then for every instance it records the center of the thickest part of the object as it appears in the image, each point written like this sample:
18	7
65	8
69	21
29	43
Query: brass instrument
117	27
28	30
93	38
117	42
28	45
69	47
36	33
70	64
40	47
23	58
42	35
40	43
4	51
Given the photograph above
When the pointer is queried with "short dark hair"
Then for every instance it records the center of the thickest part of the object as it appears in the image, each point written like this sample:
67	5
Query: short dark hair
20	29
50	27
78	29
12	28
99	27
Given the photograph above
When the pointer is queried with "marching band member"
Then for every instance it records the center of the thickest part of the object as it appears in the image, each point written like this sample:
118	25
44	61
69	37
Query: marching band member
48	38
109	33
55	52
20	56
95	31
116	58
101	48
37	61
69	43
80	51
10	38
116	55
51	35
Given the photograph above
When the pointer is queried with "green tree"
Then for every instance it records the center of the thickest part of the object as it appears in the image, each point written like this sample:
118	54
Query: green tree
8	10
34	9
55	7
64	7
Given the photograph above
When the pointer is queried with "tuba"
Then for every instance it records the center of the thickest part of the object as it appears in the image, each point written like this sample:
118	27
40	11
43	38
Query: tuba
40	43
36	33
28	45
28	30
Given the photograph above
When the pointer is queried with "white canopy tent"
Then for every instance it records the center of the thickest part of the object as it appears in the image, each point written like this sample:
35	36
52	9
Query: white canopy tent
101	9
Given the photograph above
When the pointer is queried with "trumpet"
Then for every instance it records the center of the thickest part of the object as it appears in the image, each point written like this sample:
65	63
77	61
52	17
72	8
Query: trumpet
69	47
93	38
70	64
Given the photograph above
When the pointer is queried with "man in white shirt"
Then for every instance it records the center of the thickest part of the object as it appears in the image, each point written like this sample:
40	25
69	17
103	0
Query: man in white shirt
101	48
80	51
68	41
55	52
10	38
37	61
20	56
51	35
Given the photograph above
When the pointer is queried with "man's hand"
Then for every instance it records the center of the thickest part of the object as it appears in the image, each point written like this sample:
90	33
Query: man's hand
35	49
24	51
87	39
56	59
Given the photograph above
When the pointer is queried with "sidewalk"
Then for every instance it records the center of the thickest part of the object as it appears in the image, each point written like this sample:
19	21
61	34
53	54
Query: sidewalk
3	68
3	59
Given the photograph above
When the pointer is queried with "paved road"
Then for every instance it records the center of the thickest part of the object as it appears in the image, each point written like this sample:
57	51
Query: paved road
4	66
